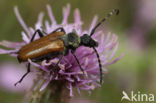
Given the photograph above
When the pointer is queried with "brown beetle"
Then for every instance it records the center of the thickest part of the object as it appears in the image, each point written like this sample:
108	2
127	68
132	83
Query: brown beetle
57	44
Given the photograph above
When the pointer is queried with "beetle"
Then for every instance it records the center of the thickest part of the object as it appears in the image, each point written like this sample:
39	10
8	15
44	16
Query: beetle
58	44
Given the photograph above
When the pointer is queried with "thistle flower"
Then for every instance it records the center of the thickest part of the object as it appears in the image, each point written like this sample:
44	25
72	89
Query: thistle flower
68	71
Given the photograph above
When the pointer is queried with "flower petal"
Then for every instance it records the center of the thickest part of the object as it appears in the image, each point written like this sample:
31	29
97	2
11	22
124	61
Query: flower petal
25	37
39	21
21	20
9	44
66	11
3	51
50	13
93	23
78	22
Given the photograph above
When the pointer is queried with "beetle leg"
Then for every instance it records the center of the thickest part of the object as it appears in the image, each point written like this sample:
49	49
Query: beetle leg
39	32
28	71
78	62
56	64
60	28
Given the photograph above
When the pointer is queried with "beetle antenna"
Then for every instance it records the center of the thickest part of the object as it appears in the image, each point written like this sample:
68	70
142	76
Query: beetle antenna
100	66
114	11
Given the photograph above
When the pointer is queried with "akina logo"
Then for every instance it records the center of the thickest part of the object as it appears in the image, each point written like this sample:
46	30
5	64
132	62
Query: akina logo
138	97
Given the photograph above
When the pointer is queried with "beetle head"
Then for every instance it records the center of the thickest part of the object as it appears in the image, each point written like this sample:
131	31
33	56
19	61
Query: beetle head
86	40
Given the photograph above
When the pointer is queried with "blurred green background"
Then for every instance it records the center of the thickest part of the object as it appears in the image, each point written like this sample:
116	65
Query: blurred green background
135	27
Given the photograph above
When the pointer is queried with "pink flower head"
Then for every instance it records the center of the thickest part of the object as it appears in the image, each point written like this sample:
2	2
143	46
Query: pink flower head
68	69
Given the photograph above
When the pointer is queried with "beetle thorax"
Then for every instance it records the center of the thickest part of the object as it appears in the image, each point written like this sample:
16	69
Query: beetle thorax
71	40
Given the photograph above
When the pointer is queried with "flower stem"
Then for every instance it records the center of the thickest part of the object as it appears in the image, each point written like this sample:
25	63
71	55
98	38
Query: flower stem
56	92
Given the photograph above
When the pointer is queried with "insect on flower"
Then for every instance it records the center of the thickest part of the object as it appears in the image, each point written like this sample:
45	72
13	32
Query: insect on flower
57	44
